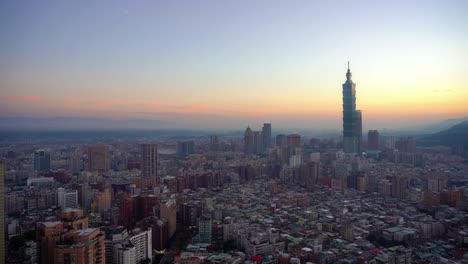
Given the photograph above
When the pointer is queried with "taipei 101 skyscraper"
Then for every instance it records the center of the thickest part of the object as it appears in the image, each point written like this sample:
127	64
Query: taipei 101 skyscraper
352	119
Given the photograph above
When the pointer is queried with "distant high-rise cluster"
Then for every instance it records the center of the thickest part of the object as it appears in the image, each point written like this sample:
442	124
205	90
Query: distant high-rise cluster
352	118
214	143
185	148
256	142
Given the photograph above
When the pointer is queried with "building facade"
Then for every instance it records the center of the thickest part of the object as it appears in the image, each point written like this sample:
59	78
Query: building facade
373	140
98	157
149	160
41	160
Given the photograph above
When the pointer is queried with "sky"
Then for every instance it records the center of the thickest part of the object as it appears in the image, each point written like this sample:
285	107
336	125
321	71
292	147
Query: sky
228	64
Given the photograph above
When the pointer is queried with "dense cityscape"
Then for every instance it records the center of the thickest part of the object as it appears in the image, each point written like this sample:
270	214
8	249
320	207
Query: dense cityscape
234	131
263	197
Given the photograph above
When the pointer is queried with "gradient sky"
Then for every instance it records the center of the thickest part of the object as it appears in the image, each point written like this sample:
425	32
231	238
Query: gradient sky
226	64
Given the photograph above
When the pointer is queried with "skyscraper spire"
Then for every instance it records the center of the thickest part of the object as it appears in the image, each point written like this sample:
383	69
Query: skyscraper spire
348	74
352	118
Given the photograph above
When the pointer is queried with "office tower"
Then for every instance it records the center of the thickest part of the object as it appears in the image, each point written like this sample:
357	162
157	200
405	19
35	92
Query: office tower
41	160
127	215
75	164
294	141
249	147
2	212
103	200
149	160
362	182
295	161
373	140
168	211
258	142
312	174
144	205
204	230
185	148
124	253
67	198
281	140
98	157
214	143
406	144
399	186
389	142
352	118
266	133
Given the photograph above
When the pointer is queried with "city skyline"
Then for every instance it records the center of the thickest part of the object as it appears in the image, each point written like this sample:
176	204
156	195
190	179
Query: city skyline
203	132
246	62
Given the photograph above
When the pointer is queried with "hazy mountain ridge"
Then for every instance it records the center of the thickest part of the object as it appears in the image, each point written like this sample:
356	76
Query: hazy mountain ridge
57	123
456	135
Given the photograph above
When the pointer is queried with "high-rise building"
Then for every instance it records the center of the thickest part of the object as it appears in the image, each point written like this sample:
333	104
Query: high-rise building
2	213
124	253
168	211
373	140
406	144
258	142
204	230
185	148
104	200
67	198
294	141
149	160
160	235
41	160
127	215
281	140
98	157
312	174
389	142
70	240
266	133
142	241
249	147
352	118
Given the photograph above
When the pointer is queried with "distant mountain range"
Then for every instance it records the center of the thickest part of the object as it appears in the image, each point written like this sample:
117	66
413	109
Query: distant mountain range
79	123
426	129
455	135
444	125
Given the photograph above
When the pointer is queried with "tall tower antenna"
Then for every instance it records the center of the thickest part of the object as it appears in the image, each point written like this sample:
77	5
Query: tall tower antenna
348	65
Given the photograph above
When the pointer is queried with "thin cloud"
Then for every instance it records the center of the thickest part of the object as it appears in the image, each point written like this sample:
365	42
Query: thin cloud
97	102
196	108
23	98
